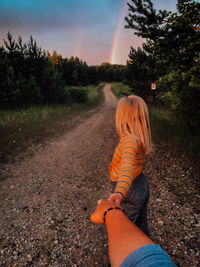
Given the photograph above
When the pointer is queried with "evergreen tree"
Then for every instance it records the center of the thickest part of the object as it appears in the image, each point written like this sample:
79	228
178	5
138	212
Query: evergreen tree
172	48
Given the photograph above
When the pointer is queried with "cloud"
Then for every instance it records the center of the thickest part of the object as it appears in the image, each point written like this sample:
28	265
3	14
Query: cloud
49	15
36	21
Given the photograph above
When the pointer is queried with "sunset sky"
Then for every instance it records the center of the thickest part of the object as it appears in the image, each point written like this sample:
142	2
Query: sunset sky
93	30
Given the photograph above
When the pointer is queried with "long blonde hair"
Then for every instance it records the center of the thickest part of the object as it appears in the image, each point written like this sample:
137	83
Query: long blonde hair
132	118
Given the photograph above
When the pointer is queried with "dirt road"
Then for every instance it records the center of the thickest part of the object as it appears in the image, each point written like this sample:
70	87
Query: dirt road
47	199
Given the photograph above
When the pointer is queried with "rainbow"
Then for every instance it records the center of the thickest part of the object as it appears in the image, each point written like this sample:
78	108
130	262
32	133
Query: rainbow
117	34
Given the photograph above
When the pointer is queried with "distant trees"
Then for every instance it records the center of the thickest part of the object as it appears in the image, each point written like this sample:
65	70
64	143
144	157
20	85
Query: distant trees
27	76
170	56
30	76
77	72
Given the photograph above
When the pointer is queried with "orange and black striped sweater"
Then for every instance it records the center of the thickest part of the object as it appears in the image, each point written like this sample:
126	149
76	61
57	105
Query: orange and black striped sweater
126	164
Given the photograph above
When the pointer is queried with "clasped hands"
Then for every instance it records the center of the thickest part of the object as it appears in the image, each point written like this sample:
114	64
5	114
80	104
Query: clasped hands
113	200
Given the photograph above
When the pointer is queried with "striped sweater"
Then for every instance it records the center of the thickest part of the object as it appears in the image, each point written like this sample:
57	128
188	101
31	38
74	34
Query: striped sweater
126	164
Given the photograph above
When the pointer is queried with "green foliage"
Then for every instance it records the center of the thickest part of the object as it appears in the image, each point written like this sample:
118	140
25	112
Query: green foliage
120	89
78	95
144	19
185	95
93	74
53	87
165	123
76	72
140	72
170	57
29	76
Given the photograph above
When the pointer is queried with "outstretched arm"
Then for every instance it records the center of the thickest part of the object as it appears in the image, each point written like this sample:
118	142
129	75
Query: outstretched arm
123	236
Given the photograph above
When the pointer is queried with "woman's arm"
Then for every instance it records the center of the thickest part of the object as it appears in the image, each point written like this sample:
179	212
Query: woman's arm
127	165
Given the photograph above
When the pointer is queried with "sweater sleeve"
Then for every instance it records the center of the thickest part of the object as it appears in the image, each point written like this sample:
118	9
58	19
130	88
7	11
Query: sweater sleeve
127	165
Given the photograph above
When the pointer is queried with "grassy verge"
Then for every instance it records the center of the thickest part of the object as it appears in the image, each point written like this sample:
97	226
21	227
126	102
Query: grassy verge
165	124
120	89
20	129
95	95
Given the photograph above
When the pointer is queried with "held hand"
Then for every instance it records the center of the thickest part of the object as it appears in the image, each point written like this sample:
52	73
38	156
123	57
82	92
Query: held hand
116	198
102	206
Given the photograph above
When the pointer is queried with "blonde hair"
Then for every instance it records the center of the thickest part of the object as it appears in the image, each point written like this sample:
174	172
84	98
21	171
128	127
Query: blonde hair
132	118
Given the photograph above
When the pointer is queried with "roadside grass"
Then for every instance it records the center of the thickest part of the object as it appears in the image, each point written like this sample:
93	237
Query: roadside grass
164	123
95	94
120	89
20	129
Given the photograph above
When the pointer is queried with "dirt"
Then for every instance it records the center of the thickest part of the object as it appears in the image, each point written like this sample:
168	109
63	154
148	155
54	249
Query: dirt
46	199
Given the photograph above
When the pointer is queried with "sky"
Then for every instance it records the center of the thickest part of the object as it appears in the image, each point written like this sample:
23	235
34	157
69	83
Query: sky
93	30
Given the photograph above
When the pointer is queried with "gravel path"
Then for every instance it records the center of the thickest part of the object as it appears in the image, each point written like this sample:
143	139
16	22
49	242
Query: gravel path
46	200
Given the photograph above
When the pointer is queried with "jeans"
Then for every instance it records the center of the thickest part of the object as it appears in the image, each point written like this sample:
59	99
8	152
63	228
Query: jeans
136	201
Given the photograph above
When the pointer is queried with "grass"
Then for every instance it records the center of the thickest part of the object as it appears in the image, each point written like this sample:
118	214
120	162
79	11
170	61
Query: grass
120	89
95	95
19	129
164	123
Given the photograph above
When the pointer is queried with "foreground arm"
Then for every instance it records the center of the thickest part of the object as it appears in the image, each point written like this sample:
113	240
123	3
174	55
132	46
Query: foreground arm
123	236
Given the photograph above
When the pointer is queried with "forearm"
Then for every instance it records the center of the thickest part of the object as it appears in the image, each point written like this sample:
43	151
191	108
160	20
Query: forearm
123	184
123	237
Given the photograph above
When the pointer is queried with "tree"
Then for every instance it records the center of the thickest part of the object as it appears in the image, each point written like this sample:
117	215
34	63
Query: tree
140	71
10	44
172	45
52	85
172	34
146	22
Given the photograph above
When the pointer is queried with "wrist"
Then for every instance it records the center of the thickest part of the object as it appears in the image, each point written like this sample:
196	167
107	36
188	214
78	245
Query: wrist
111	209
120	193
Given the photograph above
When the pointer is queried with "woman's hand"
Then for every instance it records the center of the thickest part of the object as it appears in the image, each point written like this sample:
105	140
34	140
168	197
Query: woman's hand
102	206
116	198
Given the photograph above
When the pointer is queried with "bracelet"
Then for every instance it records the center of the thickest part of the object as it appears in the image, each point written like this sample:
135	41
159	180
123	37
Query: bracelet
112	208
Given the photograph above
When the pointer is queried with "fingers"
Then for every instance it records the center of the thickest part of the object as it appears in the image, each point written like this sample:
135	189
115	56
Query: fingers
117	201
99	202
102	206
109	199
97	216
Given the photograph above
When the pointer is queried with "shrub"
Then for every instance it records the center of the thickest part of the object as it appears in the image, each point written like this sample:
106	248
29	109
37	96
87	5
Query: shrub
78	95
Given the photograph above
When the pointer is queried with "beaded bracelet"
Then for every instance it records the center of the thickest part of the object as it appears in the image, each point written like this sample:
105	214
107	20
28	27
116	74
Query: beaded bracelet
112	208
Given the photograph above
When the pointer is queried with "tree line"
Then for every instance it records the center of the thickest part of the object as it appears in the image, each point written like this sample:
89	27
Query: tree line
30	76
170	56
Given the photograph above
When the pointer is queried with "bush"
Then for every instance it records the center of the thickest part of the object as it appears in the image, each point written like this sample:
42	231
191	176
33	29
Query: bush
184	91
78	95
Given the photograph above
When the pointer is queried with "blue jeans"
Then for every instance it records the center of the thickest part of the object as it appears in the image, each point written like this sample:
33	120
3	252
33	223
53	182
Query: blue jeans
136	201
